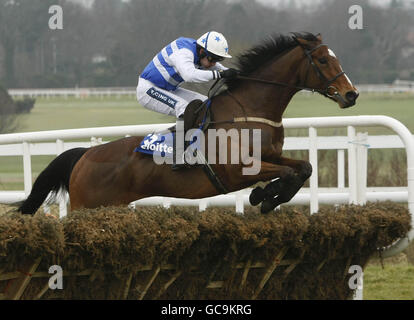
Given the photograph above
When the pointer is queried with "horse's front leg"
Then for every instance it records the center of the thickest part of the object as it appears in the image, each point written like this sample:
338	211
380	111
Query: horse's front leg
283	189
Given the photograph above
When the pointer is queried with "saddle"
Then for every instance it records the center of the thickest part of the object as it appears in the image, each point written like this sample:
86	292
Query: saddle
196	115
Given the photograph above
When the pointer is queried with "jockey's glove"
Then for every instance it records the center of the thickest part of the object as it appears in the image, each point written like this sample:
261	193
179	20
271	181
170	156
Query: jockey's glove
229	73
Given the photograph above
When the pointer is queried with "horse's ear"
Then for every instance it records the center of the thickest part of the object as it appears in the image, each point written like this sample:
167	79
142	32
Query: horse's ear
319	37
303	43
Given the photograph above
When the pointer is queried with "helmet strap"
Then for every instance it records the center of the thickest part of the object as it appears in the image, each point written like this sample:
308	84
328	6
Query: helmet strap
205	46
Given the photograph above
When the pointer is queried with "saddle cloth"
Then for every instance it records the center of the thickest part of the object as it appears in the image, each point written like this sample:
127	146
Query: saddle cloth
158	143
162	144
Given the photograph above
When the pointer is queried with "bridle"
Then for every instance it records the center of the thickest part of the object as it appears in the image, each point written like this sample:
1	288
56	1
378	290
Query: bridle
328	82
308	54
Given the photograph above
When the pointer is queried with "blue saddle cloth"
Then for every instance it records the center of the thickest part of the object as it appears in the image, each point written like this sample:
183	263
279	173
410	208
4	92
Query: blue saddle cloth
158	143
162	143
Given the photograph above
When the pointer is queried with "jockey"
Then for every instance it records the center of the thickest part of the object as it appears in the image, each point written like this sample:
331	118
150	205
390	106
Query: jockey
183	60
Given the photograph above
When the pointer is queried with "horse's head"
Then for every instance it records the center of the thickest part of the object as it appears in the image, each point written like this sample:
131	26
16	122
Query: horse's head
321	71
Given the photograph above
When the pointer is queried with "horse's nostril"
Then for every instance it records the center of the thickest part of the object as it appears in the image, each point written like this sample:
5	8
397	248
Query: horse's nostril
351	95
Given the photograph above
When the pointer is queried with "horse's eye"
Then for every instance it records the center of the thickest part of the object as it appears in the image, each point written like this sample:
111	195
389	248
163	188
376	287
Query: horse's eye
323	60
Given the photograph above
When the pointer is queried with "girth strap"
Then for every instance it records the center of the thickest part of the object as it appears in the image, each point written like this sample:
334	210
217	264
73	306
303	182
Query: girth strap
210	173
261	120
252	119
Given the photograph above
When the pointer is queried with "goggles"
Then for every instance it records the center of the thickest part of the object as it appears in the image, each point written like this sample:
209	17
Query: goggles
213	58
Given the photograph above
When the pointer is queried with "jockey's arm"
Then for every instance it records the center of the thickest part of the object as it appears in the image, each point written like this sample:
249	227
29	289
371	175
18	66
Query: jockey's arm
184	63
218	66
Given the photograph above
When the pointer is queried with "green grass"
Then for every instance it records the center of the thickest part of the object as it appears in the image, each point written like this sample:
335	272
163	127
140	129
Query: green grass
11	171
394	282
398	106
60	113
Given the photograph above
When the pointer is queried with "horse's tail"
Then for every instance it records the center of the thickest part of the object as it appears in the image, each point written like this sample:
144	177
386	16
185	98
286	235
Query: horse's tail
54	178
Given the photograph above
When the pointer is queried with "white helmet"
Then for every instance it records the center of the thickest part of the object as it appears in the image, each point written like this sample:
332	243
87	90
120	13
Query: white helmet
215	43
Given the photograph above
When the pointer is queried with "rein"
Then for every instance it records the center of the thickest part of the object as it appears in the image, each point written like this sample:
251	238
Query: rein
282	84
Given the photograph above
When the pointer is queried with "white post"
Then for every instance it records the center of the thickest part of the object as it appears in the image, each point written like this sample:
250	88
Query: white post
313	159
95	141
202	205
166	203
27	169
362	167
352	166
359	291
239	202
341	168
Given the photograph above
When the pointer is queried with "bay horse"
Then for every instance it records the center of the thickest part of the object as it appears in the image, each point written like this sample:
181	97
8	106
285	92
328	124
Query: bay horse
271	73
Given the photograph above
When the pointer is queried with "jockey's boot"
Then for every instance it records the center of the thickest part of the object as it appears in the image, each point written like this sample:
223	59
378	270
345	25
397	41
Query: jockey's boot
180	164
191	113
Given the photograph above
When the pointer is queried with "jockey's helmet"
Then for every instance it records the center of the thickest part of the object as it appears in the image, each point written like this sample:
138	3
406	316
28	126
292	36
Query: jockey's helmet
215	44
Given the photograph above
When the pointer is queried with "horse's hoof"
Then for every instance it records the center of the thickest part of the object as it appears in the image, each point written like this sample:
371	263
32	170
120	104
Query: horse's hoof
274	188
256	196
268	205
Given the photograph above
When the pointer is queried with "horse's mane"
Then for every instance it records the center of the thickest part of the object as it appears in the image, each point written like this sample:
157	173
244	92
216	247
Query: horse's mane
260	54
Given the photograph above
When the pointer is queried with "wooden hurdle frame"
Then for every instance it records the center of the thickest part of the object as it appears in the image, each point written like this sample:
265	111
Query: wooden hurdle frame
18	281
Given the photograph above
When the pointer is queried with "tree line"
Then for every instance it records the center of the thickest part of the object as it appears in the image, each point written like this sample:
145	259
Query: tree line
110	43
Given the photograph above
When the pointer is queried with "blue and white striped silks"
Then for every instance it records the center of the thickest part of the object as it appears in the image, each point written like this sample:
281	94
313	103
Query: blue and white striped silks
160	70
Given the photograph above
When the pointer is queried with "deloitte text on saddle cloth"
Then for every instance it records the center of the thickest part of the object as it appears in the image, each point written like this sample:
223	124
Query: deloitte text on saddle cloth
241	142
152	145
